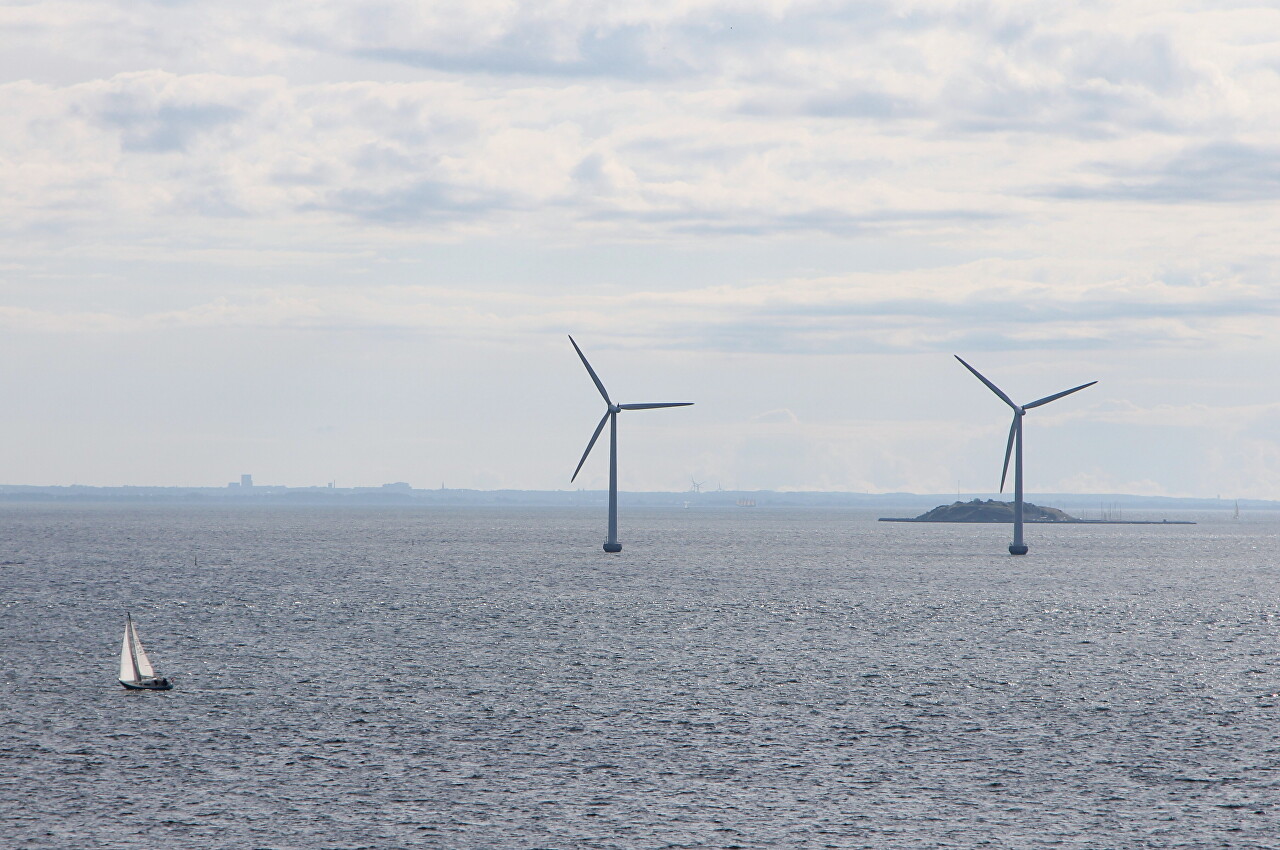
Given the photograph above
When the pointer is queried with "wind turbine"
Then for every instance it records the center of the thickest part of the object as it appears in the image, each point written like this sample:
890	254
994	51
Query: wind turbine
611	416
1018	547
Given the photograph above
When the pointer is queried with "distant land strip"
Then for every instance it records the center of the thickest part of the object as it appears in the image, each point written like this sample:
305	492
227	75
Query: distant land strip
1084	505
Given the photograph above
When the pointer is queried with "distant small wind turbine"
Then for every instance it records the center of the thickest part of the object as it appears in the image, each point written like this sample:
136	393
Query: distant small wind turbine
695	486
1018	547
611	416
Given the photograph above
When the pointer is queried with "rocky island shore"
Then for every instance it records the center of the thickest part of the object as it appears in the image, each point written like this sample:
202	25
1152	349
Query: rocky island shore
989	510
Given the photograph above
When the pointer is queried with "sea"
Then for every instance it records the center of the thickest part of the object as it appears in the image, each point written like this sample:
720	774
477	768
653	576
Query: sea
390	677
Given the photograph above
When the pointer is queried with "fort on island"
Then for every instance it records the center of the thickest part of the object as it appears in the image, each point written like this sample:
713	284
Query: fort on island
989	510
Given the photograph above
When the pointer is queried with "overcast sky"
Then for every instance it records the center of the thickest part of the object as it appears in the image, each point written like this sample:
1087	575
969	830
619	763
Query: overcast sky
346	241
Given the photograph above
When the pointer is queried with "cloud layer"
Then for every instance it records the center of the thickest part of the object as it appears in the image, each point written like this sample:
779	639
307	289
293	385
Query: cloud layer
718	179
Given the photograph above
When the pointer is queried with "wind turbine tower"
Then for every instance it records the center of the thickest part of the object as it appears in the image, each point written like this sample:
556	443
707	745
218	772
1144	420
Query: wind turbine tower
1018	546
611	412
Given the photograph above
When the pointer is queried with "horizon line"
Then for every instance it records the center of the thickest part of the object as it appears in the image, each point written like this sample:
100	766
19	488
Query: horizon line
404	487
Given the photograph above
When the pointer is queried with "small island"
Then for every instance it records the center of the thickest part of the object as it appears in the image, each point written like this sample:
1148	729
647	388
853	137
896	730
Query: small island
990	510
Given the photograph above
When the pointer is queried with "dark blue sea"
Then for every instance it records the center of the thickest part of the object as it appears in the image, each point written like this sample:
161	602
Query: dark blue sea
488	678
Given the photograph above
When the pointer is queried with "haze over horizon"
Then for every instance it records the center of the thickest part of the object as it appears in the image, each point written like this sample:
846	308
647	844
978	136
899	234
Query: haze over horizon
338	240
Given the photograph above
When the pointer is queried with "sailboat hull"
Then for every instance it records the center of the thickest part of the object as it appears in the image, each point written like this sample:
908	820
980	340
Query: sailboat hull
148	685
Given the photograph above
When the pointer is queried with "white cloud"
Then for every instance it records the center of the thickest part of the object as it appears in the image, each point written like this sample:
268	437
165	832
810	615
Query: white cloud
980	306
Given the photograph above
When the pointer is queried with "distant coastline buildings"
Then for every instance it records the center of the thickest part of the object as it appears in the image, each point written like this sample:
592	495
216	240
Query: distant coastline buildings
246	485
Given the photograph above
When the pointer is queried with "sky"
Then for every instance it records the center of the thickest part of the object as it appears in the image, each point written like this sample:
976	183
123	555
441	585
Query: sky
346	241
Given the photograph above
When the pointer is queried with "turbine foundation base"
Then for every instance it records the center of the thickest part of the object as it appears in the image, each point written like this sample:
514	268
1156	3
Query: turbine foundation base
1017	548
613	547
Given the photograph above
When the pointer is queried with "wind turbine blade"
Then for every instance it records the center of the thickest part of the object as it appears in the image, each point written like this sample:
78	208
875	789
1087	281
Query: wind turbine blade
654	404
591	372
1008	450
591	444
1057	396
990	385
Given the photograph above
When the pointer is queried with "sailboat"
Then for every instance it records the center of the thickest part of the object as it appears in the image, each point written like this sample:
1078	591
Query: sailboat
136	672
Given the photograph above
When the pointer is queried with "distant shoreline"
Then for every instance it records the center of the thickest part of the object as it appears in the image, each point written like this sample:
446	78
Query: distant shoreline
745	501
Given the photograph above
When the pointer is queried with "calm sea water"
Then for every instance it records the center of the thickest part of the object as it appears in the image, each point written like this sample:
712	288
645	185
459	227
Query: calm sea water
735	678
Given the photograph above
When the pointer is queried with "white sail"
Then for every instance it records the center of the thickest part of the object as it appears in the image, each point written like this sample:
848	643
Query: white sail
128	673
140	655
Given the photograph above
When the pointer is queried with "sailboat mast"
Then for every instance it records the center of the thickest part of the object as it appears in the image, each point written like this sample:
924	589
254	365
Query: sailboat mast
131	636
